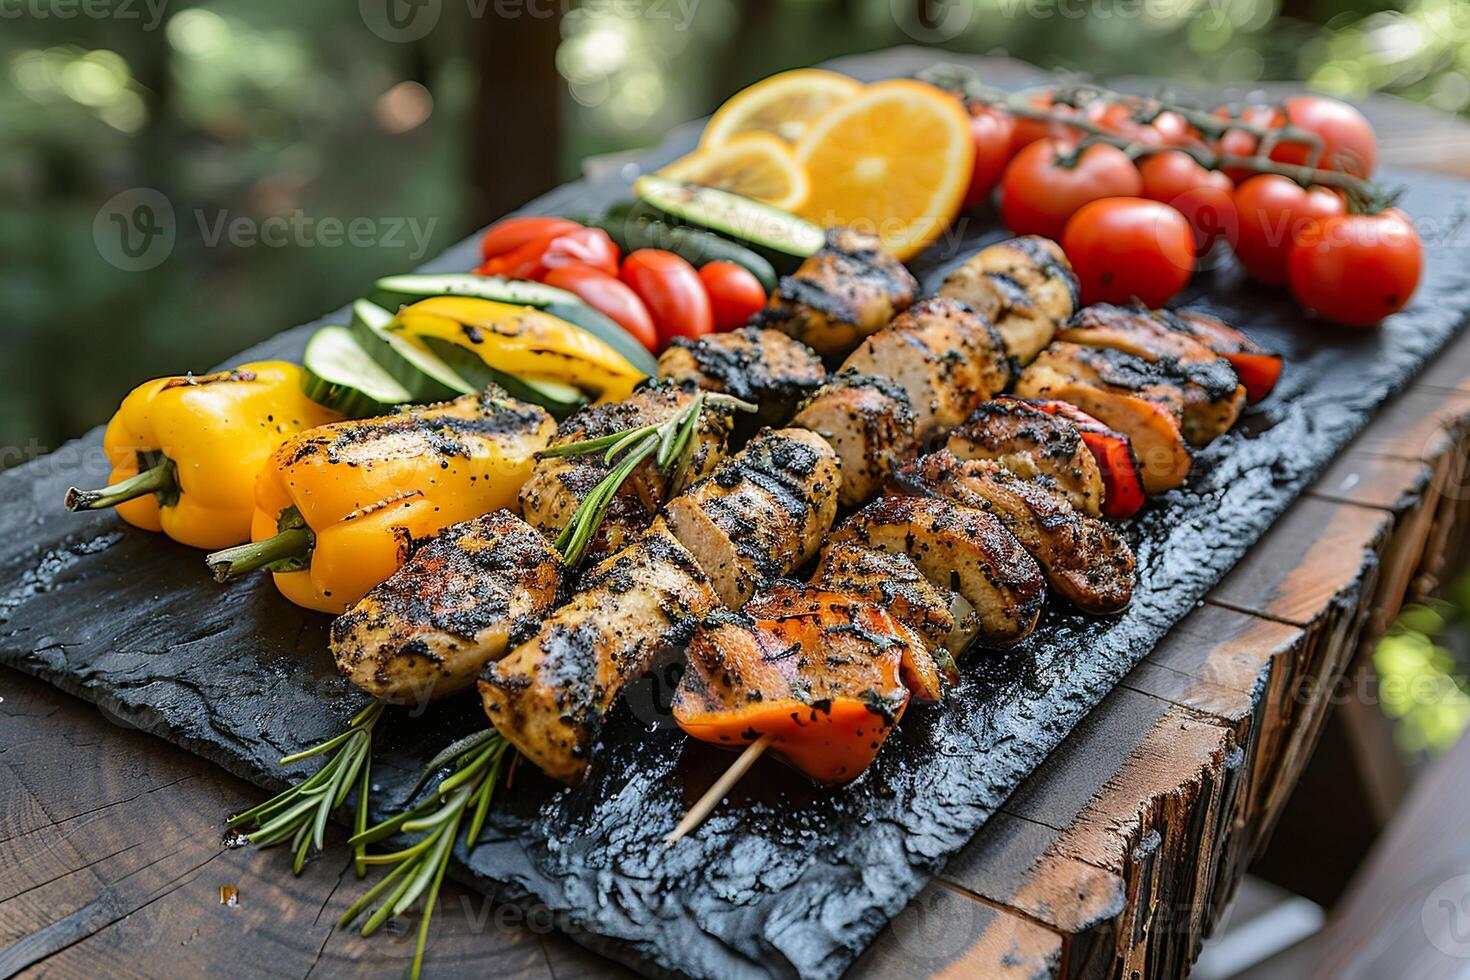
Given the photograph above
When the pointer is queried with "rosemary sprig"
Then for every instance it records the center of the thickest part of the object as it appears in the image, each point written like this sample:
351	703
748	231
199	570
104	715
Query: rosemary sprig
300	813
477	763
670	442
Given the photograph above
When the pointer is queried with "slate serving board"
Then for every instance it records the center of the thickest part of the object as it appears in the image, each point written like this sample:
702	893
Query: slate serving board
783	880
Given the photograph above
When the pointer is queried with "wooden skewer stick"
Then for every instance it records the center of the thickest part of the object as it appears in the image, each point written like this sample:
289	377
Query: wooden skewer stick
712	796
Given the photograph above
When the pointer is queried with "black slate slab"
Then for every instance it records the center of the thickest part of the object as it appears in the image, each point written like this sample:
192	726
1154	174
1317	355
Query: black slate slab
784	880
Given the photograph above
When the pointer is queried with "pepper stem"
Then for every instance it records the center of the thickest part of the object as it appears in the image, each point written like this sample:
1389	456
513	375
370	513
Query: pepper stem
292	544
161	478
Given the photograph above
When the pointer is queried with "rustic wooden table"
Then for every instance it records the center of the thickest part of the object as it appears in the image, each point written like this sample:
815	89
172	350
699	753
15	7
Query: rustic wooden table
1115	858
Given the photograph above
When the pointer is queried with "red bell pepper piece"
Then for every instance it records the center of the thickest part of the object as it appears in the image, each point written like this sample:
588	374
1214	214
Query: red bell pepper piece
509	234
553	249
1122	484
1258	372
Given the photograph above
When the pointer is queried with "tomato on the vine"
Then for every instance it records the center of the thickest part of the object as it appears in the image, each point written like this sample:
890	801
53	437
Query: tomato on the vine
1203	196
1127	247
1028	131
1239	142
735	294
992	130
1272	211
673	292
1356	268
1048	181
1348	143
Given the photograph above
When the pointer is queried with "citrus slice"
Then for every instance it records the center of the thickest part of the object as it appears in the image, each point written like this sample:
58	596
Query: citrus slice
894	160
755	165
781	105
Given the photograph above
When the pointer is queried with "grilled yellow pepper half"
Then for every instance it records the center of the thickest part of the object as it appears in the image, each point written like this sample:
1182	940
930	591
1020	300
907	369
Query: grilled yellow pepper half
185	451
528	343
338	509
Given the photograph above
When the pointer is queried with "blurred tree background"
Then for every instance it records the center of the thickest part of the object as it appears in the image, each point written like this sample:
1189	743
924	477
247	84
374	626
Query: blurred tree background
450	112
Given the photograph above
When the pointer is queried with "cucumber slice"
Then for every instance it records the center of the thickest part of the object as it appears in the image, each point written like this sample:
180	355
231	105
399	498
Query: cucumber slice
400	290
607	330
393	291
694	245
779	235
340	375
558	399
426	376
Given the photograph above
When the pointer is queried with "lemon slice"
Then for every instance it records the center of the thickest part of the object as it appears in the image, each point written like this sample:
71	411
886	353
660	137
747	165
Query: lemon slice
755	165
781	105
894	160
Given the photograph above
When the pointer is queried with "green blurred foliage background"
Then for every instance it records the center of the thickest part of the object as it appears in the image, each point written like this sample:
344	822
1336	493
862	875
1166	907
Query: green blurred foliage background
253	108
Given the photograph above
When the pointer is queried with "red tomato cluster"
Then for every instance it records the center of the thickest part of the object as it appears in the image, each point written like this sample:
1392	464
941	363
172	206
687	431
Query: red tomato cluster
1136	229
653	294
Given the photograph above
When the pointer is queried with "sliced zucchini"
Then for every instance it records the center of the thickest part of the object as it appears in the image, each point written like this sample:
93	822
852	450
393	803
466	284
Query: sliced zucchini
779	235
559	399
340	375
393	291
424	374
402	290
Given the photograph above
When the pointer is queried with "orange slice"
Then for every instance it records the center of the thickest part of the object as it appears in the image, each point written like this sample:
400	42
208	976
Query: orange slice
781	105
755	165
894	161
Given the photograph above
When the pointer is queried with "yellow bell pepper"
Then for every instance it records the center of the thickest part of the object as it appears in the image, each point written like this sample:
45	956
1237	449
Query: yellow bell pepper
185	451
337	509
528	343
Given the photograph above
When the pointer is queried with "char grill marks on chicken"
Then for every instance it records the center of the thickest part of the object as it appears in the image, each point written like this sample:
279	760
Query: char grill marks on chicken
764	367
1126	393
1257	368
549	696
941	618
849	289
1212	395
957	545
1085	560
559	483
762	513
458	602
1034	445
947	357
1024	286
868	421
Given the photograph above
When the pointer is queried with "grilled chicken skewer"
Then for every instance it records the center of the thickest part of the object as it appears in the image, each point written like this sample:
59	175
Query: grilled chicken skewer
759	515
762	367
458	602
1024	286
1257	368
1085	560
849	289
1034	445
559	484
869	421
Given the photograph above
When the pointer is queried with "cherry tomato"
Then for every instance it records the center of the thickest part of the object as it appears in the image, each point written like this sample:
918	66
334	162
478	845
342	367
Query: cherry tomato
1127	247
1118	118
992	130
1028	131
1175	130
1272	210
735	295
509	234
1203	196
1348	143
672	291
1238	142
1356	268
1047	182
609	296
